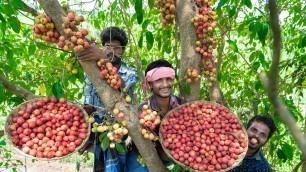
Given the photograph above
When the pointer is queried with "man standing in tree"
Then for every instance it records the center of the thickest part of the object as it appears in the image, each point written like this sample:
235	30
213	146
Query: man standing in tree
159	78
114	41
259	129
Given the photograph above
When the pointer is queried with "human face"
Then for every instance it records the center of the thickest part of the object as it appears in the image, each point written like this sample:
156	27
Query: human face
162	87
260	132
114	51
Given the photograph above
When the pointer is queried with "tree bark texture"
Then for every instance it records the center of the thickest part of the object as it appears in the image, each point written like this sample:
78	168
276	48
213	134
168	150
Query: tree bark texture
185	11
110	97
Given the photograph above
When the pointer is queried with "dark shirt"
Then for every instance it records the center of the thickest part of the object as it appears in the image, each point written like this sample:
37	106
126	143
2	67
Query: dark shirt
254	163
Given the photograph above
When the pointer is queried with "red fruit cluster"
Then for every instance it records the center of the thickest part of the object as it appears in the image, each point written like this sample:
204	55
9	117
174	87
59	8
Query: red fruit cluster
44	29
204	137
205	23
48	128
109	73
192	75
149	121
73	39
167	10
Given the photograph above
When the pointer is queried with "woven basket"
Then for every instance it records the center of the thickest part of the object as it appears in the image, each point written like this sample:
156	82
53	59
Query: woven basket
9	121
166	118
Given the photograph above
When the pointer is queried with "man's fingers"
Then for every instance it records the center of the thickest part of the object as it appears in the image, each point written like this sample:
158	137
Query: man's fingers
85	57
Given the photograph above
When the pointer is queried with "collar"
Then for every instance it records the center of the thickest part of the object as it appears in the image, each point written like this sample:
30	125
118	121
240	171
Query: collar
256	156
173	102
123	68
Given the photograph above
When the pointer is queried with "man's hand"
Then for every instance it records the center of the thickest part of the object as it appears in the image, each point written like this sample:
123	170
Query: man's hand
91	53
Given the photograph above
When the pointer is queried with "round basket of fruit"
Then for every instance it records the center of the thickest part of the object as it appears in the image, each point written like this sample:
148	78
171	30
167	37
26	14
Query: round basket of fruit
47	128
203	136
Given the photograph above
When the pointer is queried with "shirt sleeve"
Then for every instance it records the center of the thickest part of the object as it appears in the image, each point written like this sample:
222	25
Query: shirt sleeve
131	79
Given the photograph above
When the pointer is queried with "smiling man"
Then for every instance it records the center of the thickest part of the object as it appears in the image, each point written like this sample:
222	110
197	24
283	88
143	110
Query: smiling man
159	79
259	129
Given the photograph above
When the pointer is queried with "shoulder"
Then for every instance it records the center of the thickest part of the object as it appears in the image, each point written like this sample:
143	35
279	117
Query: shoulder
125	69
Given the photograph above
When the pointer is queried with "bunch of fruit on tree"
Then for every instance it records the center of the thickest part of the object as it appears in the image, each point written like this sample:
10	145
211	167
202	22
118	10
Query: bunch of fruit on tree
203	136
109	73
72	40
149	121
114	130
48	128
167	10
205	24
192	75
44	29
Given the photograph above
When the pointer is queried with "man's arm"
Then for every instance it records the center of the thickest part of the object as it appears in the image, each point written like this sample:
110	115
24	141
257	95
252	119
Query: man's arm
92	53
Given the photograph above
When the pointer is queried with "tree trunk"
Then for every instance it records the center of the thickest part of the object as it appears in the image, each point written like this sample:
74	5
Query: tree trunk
185	11
110	97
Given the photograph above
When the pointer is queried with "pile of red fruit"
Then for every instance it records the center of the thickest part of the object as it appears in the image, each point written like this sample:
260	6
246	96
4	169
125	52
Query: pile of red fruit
109	73
205	23
47	128
149	121
167	10
203	136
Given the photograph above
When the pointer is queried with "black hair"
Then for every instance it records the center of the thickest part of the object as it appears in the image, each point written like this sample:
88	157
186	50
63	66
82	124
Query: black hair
264	119
114	33
158	63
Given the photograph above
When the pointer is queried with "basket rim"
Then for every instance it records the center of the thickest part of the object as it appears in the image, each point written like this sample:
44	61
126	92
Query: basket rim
12	114
166	117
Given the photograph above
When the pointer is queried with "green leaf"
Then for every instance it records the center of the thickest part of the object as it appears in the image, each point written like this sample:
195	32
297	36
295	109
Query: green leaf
26	32
32	48
9	53
150	40
263	32
256	65
186	88
140	41
102	135
145	24
288	151
105	143
138	6
2	18
252	56
233	45
221	3
120	148
303	42
281	155
57	90
248	3
140	17
2	97
176	168
14	23
151	4
258	85
232	12
18	4
2	143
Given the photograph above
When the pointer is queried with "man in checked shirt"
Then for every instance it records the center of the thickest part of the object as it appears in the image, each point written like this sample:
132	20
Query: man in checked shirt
114	41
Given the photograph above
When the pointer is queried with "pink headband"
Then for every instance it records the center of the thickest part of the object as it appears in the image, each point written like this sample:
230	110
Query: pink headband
157	73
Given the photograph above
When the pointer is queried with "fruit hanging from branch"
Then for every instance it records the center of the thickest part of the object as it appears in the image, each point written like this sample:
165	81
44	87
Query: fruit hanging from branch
192	75
109	74
149	121
167	10
205	24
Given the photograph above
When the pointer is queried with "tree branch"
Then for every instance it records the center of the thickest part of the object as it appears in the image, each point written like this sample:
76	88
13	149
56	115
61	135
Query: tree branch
271	86
277	45
17	90
27	9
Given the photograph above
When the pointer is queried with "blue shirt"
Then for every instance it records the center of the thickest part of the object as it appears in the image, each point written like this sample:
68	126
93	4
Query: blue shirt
113	160
255	163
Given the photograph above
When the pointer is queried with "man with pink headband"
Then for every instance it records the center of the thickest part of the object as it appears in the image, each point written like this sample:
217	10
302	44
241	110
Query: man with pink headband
159	79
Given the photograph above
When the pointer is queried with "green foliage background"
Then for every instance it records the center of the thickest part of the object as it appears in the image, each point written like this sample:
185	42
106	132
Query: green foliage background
242	26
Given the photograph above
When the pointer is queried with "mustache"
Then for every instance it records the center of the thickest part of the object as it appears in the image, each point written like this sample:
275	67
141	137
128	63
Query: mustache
170	86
